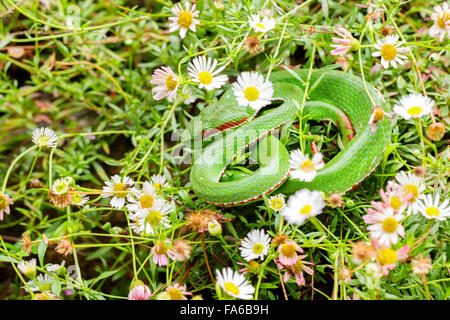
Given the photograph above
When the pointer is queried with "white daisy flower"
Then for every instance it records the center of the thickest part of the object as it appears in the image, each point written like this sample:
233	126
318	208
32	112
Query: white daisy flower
431	209
251	90
28	268
303	205
144	200
151	220
61	186
386	227
118	189
188	95
202	70
159	182
441	19
414	106
184	19
277	202
167	83
44	137
390	52
79	199
302	167
234	284
56	268
264	25
255	245
411	184
45	283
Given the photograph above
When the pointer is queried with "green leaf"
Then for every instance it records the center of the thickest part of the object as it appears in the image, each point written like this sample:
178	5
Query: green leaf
41	252
7	259
103	275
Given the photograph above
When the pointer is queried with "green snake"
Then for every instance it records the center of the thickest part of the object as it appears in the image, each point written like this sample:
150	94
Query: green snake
333	95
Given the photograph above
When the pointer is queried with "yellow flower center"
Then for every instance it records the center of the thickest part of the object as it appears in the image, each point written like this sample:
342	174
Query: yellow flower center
175	294
378	115
251	93
146	201
231	287
154	218
387	256
118	188
432	212
305	209
298	266
396	203
388	52
260	25
307	166
170	83
288	250
254	265
258	248
442	19
410	188
390	225
161	248
276	204
185	19
205	77
3	202
76	198
414	111
61	187
43	140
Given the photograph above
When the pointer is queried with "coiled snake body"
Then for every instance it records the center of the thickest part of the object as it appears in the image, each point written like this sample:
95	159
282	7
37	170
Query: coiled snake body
333	95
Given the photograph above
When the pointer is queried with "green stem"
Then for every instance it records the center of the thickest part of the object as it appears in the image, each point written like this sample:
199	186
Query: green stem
13	164
29	173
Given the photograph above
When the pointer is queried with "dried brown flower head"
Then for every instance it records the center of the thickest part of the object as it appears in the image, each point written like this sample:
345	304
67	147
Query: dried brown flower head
421	265
420	171
60	200
64	247
335	200
26	243
436	131
361	251
252	45
280	239
345	274
181	250
386	31
198	221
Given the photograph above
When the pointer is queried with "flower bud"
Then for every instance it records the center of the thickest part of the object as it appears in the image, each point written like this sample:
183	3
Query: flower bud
436	131
214	228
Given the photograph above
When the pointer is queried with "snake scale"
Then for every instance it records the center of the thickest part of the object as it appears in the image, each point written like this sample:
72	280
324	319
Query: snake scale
333	95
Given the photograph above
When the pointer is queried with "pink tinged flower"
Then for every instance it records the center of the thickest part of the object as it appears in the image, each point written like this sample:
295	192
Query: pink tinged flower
441	19
160	253
377	115
5	201
140	292
288	253
395	197
388	257
177	292
167	83
345	43
297	270
385	226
